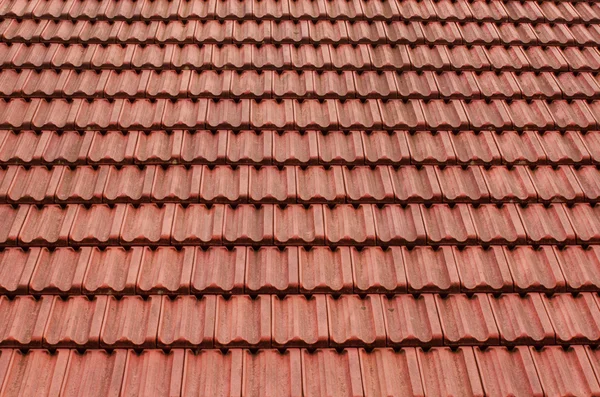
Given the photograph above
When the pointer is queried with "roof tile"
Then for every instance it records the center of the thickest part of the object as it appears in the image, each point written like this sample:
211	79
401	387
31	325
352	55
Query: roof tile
227	278
187	321
323	269
299	321
197	224
483	270
386	371
534	269
24	320
327	371
412	320
212	372
262	371
477	327
16	268
415	184
431	270
35	372
546	225
576	319
112	270
345	224
272	270
376	270
165	271
153	371
130	321
355	321
243	322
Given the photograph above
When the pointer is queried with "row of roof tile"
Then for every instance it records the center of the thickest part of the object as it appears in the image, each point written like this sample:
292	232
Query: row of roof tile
48	83
297	321
468	371
301	147
279	32
459	10
293	270
298	57
316	224
289	184
289	114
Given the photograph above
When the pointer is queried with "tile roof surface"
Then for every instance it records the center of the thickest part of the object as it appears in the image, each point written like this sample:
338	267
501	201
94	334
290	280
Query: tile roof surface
299	197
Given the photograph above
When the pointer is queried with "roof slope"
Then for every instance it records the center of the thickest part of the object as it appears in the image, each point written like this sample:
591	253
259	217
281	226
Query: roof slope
299	197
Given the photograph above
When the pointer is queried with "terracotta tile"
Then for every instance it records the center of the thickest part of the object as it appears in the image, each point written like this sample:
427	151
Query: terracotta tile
177	183
441	32
297	225
35	185
247	224
415	184
546	58
522	319
249	147
498	225
49	225
509	184
460	184
417	84
487	115
445	224
293	31
165	270
197	224
299	321
498	85
129	184
382	147
530	116
112	271
534	269
576	319
478	328
520	147
293	147
147	224
355	321
483	270
386	371
348	10
272	185
505	371
113	147
270	9
431	270
337	147
396	224
548	179
312	114
370	84
264	369
226	278
310	57
168	83
212	373
94	371
555	228
325	371
572	115
24	320
83	184
458	365
23	147
16	268
13	220
179	114
141	114
153	371
272	270
253	84
376	270
365	185
75	322
242	321
580	85
228	114
272	114
317	184
333	84
323	269
588	179
423	328
457	85
187	321
538	85
578	265
36	372
224	184
192	56
347	225
564	148
565	371
158	147
424	57
126	83
97	225
209	83
59	271
291	83
55	114
131	322
431	147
